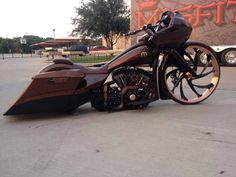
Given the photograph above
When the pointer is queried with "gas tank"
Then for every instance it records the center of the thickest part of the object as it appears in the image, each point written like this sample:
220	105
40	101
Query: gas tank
138	54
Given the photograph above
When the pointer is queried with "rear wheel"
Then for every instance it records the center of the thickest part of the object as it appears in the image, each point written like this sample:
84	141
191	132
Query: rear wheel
228	57
185	88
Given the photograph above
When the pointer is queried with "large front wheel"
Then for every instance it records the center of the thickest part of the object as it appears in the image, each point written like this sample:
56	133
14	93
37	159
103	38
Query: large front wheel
185	88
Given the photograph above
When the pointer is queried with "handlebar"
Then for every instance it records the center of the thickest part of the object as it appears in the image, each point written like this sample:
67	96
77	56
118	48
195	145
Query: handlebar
145	28
133	32
164	22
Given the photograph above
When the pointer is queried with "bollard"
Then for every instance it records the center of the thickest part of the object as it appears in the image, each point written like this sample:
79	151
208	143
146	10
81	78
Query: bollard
3	56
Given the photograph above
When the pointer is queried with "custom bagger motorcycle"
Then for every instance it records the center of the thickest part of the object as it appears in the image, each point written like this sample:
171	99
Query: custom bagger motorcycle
162	65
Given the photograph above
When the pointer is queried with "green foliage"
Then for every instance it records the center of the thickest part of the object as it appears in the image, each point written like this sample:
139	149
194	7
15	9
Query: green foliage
1	45
92	59
107	18
31	39
14	45
8	45
91	42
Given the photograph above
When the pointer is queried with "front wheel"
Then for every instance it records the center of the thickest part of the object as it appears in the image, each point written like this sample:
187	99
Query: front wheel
185	88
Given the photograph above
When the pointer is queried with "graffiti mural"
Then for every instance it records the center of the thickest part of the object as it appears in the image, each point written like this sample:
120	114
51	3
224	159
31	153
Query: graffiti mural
214	22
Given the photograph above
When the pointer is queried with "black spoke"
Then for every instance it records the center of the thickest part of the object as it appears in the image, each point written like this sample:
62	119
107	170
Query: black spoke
205	67
194	76
171	72
195	59
177	83
205	74
181	91
189	56
192	87
204	86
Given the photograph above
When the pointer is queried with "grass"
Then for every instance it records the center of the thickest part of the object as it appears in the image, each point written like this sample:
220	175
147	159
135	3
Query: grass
92	59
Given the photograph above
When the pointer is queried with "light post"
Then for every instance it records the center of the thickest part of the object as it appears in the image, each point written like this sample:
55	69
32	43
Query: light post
23	44
54	33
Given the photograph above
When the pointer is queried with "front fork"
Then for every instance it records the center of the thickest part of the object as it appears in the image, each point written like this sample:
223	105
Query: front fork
181	63
174	57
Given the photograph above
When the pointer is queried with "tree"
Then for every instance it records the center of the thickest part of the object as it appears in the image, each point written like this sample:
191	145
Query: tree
106	18
1	45
14	45
31	39
91	42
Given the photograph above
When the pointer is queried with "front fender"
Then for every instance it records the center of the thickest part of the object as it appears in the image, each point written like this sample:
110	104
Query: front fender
197	43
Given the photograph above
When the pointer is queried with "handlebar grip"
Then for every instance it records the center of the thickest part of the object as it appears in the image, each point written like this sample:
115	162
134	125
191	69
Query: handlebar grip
131	33
144	28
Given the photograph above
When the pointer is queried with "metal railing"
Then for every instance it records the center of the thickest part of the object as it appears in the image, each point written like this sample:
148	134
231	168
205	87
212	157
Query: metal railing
80	57
4	56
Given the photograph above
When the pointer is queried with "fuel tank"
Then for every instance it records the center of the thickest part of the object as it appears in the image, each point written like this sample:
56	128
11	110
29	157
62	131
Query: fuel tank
136	55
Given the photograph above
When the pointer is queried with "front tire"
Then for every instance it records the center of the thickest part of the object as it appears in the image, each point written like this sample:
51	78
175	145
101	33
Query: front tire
185	88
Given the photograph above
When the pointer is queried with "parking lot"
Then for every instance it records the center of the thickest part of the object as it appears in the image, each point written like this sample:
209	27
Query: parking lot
165	140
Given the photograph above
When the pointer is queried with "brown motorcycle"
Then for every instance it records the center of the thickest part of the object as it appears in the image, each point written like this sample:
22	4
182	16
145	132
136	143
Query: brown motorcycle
162	65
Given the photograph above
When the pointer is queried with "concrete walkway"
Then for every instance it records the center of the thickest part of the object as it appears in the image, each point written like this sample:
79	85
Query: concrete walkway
164	140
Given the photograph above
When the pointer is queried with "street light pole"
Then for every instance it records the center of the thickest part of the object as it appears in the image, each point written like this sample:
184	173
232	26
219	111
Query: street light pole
54	33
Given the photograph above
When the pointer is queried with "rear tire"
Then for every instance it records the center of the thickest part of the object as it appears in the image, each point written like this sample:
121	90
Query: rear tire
68	110
228	57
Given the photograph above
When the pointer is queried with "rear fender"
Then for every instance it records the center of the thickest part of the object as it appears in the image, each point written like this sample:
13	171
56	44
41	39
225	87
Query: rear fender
59	87
48	92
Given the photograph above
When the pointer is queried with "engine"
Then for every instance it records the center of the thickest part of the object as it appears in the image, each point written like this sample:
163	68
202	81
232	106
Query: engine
130	88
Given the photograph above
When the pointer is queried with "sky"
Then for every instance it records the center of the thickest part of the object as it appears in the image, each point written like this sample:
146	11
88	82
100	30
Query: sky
31	17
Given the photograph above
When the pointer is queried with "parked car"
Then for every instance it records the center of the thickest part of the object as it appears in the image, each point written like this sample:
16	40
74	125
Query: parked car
78	47
98	48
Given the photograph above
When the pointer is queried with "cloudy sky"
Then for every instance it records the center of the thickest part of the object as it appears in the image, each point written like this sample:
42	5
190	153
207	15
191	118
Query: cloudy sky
20	17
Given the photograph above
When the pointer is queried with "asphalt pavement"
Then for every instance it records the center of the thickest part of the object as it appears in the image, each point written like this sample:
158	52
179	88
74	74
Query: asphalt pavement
165	140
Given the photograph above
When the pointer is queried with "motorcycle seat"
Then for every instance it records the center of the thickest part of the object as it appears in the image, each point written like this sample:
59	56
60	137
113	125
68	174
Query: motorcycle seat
62	61
93	70
103	69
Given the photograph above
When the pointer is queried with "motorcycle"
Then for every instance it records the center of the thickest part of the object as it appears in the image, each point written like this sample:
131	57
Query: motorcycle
162	65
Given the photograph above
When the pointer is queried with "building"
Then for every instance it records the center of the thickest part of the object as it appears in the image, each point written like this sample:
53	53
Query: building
59	42
122	43
213	21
